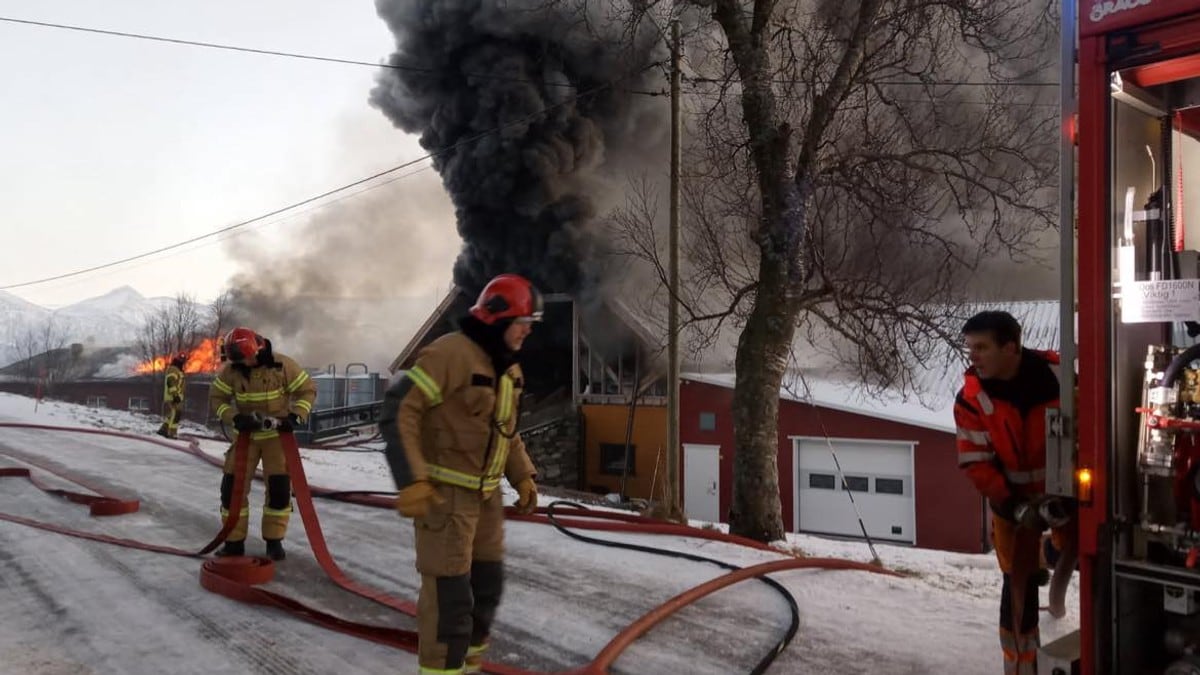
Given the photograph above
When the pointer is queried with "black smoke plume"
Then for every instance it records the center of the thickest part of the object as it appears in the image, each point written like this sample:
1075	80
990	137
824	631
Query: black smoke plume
529	104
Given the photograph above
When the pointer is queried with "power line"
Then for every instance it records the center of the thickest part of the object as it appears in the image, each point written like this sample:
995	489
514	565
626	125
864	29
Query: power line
327	193
900	83
295	55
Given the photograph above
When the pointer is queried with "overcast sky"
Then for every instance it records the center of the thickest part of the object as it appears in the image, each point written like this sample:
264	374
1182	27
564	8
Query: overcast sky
112	146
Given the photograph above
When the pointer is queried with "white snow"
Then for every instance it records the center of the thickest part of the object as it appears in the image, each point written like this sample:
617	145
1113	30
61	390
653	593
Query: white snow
79	606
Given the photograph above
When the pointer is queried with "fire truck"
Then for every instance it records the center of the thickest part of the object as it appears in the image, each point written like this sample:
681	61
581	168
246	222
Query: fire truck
1127	446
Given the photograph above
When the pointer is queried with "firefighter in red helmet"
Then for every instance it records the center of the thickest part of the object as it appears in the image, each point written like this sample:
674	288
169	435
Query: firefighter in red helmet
173	390
260	392
450	423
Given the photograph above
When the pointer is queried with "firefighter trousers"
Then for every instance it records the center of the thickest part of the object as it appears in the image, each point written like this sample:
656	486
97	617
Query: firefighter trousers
1019	552
171	414
460	549
277	507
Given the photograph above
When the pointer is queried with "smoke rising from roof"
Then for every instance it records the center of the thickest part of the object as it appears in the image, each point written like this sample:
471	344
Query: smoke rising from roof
355	281
516	94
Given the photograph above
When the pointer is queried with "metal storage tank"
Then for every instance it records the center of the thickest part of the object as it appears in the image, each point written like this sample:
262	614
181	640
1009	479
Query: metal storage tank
326	392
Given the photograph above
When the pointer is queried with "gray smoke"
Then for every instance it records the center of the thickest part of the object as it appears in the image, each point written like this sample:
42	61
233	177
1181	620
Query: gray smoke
354	282
530	104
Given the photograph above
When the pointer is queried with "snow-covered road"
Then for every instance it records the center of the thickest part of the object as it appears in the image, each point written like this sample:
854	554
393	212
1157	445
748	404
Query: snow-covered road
76	606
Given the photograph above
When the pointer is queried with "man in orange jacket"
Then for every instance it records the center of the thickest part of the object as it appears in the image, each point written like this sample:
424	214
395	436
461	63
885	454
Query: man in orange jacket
1000	413
450	424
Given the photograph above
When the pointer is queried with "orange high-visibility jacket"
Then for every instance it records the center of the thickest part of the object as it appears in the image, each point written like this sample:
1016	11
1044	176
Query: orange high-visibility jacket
1002	427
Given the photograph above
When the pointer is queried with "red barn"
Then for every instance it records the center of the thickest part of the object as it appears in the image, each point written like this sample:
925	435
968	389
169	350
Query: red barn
898	456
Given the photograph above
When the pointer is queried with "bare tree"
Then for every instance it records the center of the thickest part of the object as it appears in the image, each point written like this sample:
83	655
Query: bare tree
223	314
42	351
178	327
855	162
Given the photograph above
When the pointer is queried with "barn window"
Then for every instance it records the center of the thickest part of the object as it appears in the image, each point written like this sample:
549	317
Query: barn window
139	403
821	481
889	486
612	459
858	484
97	401
708	421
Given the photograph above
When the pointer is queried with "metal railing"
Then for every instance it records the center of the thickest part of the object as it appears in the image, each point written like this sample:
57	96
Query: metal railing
337	421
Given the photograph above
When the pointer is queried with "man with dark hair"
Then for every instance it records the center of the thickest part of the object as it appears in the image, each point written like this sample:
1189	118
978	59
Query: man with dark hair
1000	413
450	424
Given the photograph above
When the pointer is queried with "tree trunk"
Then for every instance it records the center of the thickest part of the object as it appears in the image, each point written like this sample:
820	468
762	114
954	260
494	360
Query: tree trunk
762	356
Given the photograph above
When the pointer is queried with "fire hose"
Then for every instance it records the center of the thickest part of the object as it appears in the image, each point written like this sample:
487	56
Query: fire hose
239	577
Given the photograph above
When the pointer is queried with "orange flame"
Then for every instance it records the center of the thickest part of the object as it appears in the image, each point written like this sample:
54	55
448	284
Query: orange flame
204	358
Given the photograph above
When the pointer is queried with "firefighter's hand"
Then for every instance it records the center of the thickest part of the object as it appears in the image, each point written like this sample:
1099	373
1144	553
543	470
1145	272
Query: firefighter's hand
176	399
1026	515
526	496
288	423
244	422
415	500
1042	512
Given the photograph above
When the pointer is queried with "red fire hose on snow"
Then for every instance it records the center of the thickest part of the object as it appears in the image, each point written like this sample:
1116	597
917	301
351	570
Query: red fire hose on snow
240	577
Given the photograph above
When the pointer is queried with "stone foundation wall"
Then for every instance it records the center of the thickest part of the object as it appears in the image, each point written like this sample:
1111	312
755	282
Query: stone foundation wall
554	438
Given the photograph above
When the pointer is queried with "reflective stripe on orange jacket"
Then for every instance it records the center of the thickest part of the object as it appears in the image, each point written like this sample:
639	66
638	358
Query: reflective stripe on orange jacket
1002	427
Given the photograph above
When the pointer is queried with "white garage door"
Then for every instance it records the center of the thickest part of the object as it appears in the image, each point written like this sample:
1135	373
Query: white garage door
880	474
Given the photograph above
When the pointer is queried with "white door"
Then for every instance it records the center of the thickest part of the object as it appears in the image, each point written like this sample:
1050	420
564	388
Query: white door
702	482
879	475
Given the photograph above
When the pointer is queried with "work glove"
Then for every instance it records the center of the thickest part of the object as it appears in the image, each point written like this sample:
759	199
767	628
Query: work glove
244	422
1041	513
288	423
526	496
415	500
176	399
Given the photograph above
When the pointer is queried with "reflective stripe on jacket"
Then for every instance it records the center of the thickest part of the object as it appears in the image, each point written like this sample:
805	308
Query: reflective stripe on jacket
1002	427
449	419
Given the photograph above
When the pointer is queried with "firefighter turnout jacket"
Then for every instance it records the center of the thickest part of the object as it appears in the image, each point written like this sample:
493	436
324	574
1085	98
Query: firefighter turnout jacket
273	389
1002	427
451	419
173	385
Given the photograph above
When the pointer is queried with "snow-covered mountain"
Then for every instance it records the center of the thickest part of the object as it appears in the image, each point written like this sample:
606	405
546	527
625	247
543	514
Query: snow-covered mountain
107	320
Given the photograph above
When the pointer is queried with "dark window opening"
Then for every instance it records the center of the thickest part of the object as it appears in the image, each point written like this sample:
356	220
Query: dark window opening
822	481
858	484
612	459
708	421
889	486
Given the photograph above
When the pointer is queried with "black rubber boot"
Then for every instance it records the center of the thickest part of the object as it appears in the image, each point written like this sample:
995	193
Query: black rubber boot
275	549
232	548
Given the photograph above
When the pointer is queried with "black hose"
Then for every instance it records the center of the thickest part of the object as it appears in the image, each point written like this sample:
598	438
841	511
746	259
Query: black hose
1171	374
340	495
766	660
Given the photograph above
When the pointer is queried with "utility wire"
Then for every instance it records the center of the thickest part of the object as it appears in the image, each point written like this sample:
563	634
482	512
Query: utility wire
327	193
901	83
295	55
483	76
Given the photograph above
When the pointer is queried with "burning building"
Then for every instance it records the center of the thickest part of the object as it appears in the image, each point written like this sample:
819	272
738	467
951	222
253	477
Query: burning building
531	112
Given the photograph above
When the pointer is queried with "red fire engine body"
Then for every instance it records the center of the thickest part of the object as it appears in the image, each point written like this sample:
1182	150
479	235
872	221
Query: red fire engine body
1128	447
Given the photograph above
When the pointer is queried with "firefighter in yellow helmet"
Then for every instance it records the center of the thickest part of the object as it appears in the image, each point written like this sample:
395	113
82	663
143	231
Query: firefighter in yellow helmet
173	391
450	423
261	393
